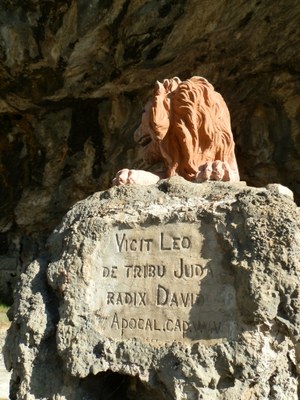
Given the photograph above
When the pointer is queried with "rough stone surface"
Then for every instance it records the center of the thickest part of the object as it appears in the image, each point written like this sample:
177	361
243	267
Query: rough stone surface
246	244
4	374
74	77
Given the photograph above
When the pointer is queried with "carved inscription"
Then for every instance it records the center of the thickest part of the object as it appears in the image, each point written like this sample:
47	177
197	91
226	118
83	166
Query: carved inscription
163	283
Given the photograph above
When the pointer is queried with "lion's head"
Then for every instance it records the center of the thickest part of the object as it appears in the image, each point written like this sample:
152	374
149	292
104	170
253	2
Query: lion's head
186	124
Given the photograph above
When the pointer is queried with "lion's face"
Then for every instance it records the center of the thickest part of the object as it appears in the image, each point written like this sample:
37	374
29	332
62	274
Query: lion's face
145	137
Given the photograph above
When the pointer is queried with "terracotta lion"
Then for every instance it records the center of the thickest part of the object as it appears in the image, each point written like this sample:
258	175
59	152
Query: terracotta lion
187	126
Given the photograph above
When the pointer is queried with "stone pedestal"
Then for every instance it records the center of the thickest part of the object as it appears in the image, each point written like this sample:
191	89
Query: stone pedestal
173	291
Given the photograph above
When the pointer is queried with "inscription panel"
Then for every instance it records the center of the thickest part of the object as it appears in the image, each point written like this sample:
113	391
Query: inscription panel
162	283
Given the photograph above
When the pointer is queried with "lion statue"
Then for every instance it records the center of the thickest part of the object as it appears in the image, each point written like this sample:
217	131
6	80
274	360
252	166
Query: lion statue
187	126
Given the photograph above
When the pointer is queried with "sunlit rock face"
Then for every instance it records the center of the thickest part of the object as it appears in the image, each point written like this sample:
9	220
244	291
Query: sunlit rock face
75	76
165	292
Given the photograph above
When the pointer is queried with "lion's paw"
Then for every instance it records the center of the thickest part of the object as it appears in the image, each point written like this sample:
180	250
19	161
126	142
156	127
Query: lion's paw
123	177
213	171
129	176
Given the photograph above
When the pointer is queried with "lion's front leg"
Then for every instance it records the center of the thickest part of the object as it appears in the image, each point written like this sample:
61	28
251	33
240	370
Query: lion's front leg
131	176
216	171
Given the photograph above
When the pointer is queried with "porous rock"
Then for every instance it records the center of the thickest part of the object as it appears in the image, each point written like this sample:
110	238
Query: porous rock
237	339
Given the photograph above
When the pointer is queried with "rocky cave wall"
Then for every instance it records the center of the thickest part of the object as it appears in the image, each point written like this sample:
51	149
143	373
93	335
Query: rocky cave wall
75	75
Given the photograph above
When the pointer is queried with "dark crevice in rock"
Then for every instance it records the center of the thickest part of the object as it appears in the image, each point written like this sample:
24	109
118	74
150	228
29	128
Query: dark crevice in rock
245	21
165	10
226	382
115	25
154	52
114	386
84	126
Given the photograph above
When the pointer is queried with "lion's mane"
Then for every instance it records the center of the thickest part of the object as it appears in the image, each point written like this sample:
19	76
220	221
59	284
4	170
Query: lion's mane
191	125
